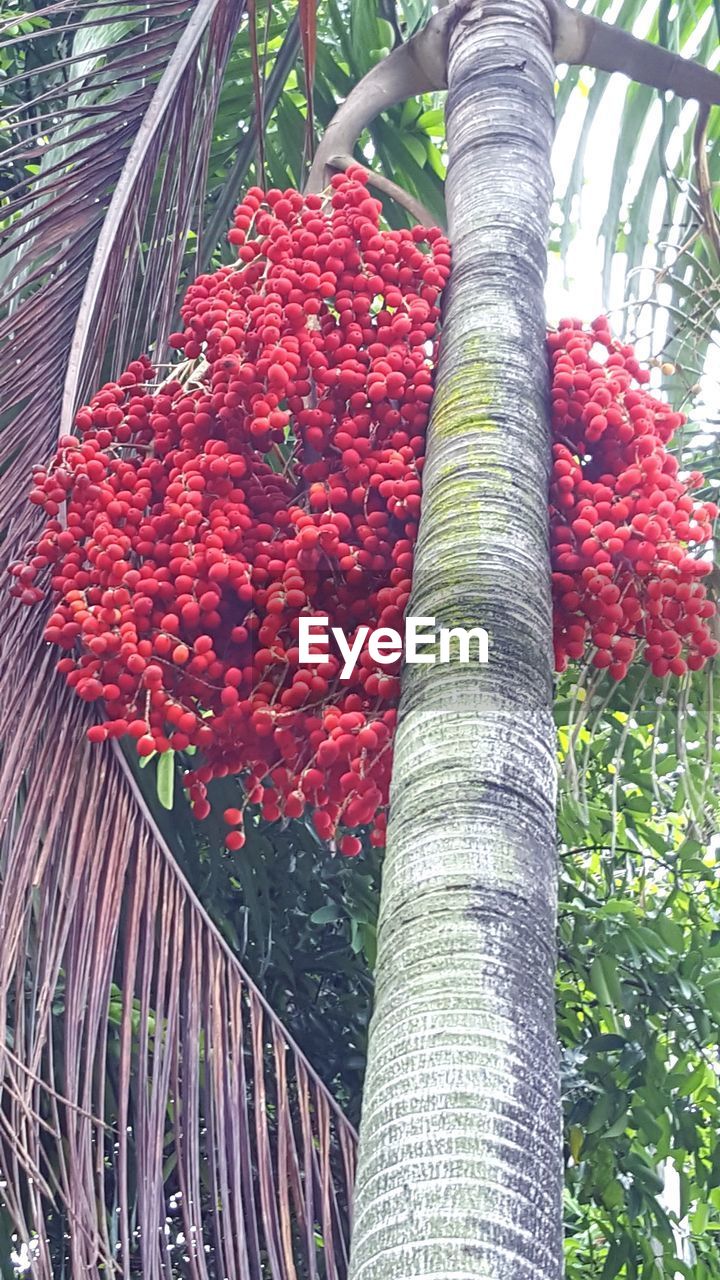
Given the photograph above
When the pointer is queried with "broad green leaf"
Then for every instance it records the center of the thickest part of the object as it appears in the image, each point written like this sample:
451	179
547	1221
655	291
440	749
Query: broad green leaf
166	779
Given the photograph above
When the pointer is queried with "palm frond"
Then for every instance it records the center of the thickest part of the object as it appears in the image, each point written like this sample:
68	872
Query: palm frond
651	209
106	174
155	1117
151	1102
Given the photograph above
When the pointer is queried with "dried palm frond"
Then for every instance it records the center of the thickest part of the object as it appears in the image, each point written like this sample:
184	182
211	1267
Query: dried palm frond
155	1117
149	1098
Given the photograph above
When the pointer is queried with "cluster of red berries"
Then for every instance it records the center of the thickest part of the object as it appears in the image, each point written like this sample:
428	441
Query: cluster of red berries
275	474
622	519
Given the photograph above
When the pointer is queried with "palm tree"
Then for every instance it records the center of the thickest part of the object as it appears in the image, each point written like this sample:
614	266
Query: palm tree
460	1164
460	1153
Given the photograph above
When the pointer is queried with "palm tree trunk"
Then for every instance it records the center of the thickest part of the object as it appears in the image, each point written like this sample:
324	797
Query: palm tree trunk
460	1155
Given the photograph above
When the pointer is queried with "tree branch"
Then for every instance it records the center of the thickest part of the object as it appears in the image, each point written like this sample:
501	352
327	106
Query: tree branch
710	218
582	40
419	66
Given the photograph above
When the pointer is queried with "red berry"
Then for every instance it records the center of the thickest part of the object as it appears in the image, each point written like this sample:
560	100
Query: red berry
350	846
202	518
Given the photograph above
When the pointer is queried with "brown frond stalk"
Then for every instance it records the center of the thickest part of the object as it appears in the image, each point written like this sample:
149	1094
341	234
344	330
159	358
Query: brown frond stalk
711	225
582	40
418	66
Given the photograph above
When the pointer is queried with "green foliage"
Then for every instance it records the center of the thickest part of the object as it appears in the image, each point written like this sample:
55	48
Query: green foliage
650	212
301	920
638	1007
